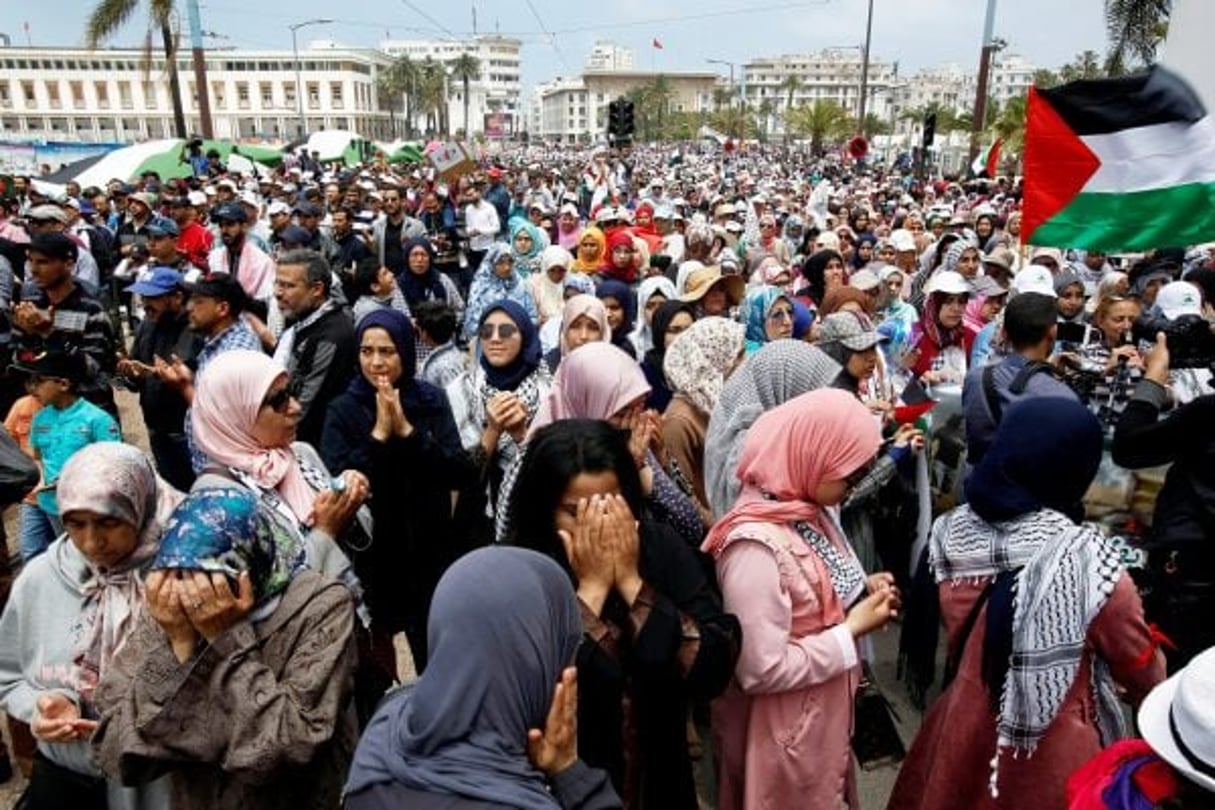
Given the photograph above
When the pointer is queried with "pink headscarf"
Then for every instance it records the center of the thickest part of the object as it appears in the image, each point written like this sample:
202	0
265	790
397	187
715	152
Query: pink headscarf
594	382
226	405
823	435
589	306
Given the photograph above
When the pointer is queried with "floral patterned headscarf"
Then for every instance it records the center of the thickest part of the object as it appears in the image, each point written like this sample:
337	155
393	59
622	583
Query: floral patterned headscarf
700	359
221	530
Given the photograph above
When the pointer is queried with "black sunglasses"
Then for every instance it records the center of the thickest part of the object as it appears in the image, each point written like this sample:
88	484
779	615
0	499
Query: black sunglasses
506	331
279	400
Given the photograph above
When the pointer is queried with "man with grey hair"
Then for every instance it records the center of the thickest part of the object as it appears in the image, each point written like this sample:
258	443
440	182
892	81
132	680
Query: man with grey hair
318	347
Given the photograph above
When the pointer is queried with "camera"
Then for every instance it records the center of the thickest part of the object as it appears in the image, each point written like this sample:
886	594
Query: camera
1190	339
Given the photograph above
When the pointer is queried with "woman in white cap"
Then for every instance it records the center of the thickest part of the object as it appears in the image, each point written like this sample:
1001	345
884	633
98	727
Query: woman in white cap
941	342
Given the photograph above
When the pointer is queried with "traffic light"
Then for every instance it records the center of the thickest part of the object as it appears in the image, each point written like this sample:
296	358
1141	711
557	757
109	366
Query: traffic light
930	129
620	121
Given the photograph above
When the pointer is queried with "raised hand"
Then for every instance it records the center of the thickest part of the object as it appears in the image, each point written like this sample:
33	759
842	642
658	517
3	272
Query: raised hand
873	612
556	747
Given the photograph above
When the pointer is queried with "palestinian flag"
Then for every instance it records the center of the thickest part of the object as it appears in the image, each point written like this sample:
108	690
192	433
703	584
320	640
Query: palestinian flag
1119	165
988	161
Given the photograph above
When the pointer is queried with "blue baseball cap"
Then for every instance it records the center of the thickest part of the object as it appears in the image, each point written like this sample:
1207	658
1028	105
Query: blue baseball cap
163	281
163	226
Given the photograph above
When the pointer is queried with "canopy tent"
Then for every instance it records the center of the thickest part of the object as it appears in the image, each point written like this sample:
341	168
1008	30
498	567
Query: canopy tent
164	157
400	151
336	144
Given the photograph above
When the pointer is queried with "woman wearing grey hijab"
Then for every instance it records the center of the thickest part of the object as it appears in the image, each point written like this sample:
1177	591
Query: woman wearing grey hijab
472	733
778	372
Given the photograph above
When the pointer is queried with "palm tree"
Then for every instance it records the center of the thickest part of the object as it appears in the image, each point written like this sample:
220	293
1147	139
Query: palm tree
1135	28
391	85
721	98
1009	127
767	108
1086	65
789	86
466	68
109	16
432	98
820	121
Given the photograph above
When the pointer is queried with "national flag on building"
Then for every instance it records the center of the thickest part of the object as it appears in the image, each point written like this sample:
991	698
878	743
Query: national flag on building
988	161
1119	164
657	44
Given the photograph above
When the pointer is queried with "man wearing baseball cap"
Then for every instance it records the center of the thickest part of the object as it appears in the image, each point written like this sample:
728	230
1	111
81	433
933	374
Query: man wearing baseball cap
240	257
58	312
193	240
48	218
163	337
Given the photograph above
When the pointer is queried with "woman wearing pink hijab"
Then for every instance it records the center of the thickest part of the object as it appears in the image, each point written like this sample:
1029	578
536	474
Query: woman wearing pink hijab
244	418
599	381
782	730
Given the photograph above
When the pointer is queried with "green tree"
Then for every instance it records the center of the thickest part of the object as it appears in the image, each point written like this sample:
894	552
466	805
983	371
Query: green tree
721	98
108	16
467	68
1045	79
875	125
824	120
765	111
432	95
394	83
1009	127
789	86
1135	29
1086	65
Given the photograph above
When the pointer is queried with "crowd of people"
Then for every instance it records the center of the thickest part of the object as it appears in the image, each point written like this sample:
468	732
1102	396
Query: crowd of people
634	450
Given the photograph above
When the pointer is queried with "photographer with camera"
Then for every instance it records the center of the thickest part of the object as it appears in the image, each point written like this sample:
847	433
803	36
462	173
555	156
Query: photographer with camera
1181	560
1178	313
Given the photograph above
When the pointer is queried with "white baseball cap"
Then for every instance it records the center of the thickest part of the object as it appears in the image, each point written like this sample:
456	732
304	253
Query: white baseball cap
1035	279
902	240
1179	298
278	207
949	282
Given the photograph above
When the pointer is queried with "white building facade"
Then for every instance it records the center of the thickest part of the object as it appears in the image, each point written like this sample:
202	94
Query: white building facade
830	75
75	94
607	56
495	106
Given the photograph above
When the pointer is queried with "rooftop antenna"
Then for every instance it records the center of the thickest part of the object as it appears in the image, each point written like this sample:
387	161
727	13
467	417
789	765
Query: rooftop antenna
474	16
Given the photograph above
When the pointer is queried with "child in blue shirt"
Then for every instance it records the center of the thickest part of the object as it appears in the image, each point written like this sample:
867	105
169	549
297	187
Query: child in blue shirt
66	423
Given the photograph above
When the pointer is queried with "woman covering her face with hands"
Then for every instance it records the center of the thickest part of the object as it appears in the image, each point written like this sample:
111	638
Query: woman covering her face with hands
399	432
655	636
788	572
238	677
71	611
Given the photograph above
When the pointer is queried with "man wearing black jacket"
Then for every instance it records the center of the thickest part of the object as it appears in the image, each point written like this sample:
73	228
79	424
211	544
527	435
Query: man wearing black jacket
318	346
1181	557
163	335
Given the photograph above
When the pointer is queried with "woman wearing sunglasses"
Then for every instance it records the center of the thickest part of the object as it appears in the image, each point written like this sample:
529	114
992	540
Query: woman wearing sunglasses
790	576
245	417
495	401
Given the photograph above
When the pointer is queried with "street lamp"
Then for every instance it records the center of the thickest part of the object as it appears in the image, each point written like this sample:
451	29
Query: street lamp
733	90
299	88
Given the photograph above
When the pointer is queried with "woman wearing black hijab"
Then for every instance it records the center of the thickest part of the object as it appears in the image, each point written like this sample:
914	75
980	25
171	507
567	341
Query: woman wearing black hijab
671	318
422	280
399	432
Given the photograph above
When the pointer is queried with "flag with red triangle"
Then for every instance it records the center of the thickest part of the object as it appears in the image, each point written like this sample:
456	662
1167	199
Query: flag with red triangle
988	161
1119	164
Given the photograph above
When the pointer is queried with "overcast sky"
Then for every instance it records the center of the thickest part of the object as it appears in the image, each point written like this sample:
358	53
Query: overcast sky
915	33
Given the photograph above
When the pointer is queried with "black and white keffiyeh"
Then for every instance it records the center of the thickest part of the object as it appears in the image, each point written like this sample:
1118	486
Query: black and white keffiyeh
1067	573
847	575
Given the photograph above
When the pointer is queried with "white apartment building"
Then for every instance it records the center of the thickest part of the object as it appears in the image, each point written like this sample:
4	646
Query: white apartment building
75	94
1011	77
562	111
608	56
495	106
830	75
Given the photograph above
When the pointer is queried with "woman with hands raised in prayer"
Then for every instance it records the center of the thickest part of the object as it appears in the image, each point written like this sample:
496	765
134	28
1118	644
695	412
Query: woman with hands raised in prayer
399	432
655	635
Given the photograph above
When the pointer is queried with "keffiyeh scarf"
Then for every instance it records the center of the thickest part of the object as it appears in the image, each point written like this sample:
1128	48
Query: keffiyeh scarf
1067	573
